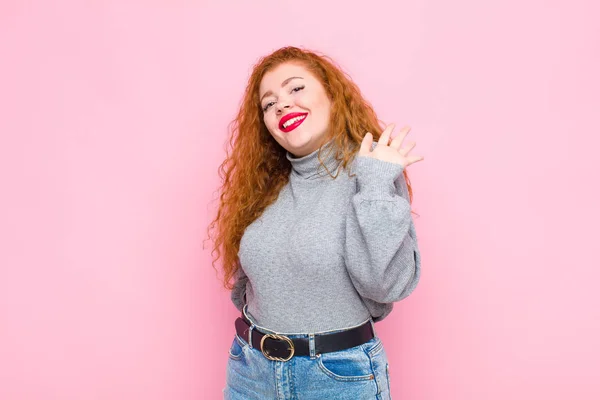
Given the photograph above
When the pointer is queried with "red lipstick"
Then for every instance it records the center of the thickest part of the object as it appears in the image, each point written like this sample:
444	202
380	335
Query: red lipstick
295	124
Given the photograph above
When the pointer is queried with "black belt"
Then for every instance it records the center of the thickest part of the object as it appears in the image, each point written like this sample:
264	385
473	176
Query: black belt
282	348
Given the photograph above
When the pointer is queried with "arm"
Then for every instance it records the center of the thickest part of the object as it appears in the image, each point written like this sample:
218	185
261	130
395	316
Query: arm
381	250
238	293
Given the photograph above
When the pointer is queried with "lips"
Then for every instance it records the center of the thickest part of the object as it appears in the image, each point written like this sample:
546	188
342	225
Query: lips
295	124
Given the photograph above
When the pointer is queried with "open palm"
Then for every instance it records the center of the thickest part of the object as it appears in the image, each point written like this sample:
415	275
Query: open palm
390	152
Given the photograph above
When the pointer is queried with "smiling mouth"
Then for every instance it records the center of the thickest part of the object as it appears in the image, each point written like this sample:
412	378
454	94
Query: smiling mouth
293	123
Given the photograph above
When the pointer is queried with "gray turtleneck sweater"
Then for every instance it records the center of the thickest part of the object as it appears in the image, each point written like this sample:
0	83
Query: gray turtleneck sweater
329	253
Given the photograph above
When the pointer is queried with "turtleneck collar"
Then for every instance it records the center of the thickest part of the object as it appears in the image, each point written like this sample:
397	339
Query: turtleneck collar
309	166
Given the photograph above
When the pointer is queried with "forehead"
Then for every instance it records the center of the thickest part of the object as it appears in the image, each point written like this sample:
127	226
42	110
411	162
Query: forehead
272	80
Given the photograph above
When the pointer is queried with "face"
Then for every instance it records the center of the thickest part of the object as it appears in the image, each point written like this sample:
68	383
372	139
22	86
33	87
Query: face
296	108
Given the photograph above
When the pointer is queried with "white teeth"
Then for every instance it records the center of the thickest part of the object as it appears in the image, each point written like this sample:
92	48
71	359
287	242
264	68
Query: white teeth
291	121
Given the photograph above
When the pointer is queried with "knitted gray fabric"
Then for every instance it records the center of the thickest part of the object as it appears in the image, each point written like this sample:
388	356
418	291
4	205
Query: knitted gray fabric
329	253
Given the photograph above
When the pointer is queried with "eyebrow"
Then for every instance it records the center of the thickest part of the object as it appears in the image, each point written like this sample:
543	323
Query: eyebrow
282	85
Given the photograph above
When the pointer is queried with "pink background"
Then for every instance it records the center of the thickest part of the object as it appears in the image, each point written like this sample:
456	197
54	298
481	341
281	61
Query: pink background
113	117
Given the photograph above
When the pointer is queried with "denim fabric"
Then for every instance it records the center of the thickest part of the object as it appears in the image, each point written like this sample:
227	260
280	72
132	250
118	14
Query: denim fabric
360	372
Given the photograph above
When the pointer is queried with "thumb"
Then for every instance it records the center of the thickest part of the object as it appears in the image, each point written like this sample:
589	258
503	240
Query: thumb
365	145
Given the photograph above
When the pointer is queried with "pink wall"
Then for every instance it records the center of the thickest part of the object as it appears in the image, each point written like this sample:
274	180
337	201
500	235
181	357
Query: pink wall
113	118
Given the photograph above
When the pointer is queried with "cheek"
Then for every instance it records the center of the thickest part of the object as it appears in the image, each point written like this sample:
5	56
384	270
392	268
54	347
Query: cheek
322	110
318	105
271	122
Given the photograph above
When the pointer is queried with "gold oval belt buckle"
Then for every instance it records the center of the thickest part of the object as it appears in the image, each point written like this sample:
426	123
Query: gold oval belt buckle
278	337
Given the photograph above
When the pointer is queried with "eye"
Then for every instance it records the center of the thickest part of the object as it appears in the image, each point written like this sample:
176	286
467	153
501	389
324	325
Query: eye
297	89
266	107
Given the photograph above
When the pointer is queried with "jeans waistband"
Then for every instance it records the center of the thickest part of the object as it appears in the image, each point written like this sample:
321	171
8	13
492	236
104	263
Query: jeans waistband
297	335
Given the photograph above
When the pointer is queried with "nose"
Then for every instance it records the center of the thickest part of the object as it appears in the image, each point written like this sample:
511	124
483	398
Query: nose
283	103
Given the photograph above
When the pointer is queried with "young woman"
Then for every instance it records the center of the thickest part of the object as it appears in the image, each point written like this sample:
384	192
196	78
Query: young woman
315	227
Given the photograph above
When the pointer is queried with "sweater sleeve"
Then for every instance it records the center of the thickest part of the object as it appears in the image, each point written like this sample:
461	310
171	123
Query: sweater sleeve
381	252
238	293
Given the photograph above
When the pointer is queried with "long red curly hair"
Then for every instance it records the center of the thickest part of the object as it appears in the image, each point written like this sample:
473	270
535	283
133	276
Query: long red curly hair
256	168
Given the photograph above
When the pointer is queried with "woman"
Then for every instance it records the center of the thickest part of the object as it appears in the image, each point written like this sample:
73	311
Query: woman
315	227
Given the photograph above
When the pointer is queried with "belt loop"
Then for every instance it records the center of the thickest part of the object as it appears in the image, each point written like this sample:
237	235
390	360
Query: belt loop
373	326
311	345
250	335
252	326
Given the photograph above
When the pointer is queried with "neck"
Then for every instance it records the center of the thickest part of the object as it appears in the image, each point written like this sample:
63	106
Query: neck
310	167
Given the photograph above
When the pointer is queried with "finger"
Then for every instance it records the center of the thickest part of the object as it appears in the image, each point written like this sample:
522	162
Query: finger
365	145
397	141
385	136
414	159
405	150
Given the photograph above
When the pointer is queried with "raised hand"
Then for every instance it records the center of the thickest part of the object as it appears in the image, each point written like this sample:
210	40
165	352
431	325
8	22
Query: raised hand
392	152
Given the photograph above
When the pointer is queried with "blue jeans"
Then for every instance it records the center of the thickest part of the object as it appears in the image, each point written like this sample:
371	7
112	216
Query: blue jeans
360	372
